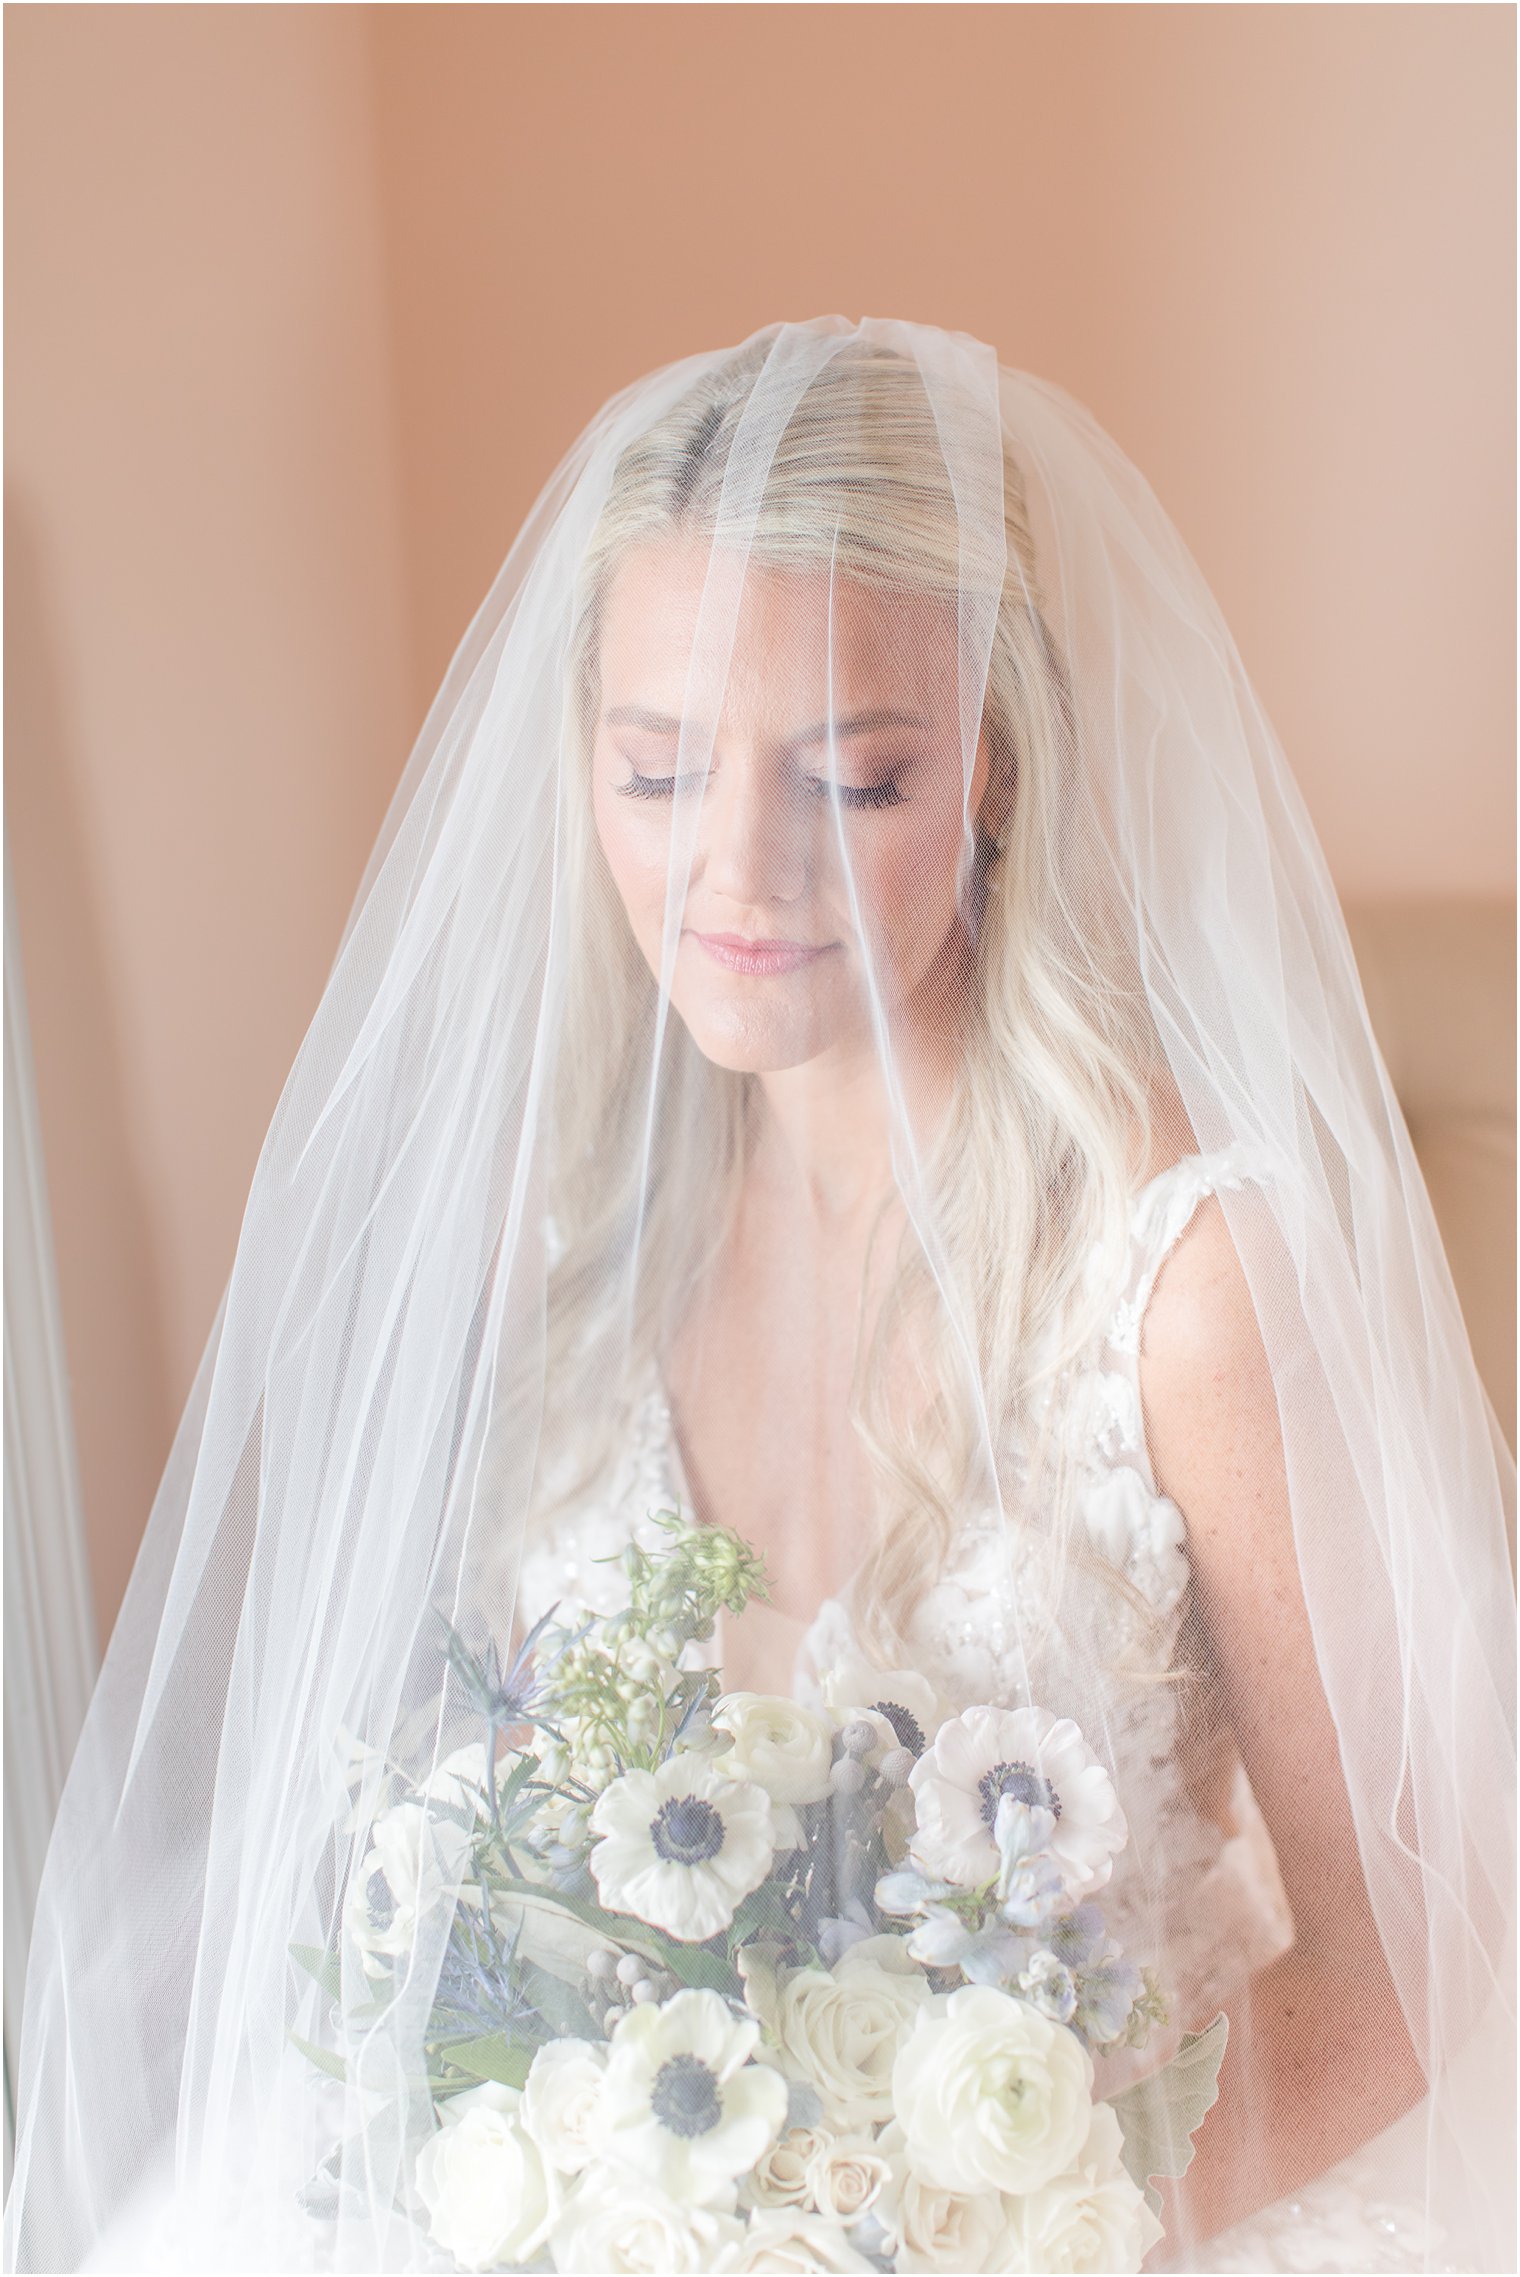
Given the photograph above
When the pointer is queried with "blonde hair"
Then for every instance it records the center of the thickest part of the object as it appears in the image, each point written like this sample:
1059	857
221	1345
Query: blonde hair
1033	1172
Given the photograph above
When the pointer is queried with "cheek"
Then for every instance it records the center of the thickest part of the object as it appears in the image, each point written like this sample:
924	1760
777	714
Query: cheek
905	876
636	849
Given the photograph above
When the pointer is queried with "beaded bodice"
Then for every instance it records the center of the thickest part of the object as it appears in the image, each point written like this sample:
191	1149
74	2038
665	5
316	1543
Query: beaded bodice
1196	1892
1198	1895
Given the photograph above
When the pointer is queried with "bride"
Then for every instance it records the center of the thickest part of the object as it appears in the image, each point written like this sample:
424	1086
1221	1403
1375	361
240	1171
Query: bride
846	1037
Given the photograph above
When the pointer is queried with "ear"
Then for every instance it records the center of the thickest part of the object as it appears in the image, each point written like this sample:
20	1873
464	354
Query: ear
992	788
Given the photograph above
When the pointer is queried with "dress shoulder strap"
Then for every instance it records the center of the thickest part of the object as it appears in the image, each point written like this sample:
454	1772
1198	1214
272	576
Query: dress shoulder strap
1161	1212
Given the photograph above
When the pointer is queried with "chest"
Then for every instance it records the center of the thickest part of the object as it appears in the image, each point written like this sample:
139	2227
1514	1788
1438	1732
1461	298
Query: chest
761	1380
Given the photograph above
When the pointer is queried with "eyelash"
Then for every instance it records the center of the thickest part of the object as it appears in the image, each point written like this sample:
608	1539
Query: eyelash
870	795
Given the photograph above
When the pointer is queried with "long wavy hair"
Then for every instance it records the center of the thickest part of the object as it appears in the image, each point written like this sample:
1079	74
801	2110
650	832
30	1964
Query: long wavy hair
1033	1170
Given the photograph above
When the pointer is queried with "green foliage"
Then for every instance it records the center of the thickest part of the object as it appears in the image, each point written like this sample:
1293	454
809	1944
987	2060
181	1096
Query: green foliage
320	1965
1160	2115
323	2058
491	2057
696	1965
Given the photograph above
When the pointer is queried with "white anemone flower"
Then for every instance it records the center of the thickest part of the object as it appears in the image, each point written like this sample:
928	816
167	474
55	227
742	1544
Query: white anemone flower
414	1864
679	1847
1037	1758
683	2103
903	1708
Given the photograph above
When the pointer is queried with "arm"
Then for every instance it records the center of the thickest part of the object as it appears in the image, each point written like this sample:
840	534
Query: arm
1319	2057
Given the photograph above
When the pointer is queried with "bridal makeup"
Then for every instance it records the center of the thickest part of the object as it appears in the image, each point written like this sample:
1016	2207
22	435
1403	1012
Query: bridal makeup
780	796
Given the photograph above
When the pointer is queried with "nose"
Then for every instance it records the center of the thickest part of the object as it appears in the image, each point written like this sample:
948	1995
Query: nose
753	841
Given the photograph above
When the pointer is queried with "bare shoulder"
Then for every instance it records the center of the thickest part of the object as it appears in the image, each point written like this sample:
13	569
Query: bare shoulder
1206	1384
1211	1424
1201	1301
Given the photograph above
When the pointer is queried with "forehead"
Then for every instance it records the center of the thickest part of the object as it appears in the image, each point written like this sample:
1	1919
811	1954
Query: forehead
798	638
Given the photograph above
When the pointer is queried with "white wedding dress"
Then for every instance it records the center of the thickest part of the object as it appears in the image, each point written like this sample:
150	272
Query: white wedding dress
1214	1892
854	551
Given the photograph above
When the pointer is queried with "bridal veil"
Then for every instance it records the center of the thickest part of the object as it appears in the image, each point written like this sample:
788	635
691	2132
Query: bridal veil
503	1167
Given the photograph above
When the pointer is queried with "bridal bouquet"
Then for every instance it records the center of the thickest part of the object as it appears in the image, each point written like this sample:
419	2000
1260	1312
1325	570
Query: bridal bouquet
733	1982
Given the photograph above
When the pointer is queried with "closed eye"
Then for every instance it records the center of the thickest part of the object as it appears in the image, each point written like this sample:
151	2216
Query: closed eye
885	793
855	795
657	786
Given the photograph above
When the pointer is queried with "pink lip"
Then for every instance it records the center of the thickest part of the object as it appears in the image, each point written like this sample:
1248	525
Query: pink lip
738	953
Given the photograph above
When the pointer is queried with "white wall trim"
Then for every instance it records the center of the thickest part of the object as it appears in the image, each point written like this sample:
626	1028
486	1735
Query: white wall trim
50	1645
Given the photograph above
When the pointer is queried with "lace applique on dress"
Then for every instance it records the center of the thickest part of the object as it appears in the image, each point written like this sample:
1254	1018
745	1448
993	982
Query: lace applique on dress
1203	1903
574	1561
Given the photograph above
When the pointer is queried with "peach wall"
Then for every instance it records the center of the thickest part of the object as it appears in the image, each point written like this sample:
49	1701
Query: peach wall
208	682
304	303
1271	248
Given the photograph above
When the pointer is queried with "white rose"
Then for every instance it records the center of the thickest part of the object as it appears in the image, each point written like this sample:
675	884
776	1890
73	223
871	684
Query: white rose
785	1748
839	2029
562	2103
780	2176
847	2176
788	2239
991	2094
1092	2217
618	2224
930	2228
487	2191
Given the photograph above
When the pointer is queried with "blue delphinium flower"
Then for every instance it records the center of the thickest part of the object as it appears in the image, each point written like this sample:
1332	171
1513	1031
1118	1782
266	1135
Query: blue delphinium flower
1106	1992
837	1932
905	1891
1077	1937
989	1954
1047	1984
1030	1888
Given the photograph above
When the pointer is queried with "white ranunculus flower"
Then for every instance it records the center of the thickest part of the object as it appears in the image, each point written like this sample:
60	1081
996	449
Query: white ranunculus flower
991	2094
1091	2217
784	1747
682	2101
986	1753
787	2239
839	2029
903	1708
679	1847
847	2177
618	2224
780	2177
489	2196
931	2228
562	2103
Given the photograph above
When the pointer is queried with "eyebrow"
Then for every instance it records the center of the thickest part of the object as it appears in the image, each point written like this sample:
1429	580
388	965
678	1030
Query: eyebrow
859	723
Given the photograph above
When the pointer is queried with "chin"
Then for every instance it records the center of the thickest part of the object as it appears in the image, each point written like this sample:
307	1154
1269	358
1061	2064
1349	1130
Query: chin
755	1039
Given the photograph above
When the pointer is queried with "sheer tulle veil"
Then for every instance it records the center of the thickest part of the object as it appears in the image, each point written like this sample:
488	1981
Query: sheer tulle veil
504	1166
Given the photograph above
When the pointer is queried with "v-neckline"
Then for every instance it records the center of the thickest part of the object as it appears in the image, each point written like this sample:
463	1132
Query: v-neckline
839	1602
